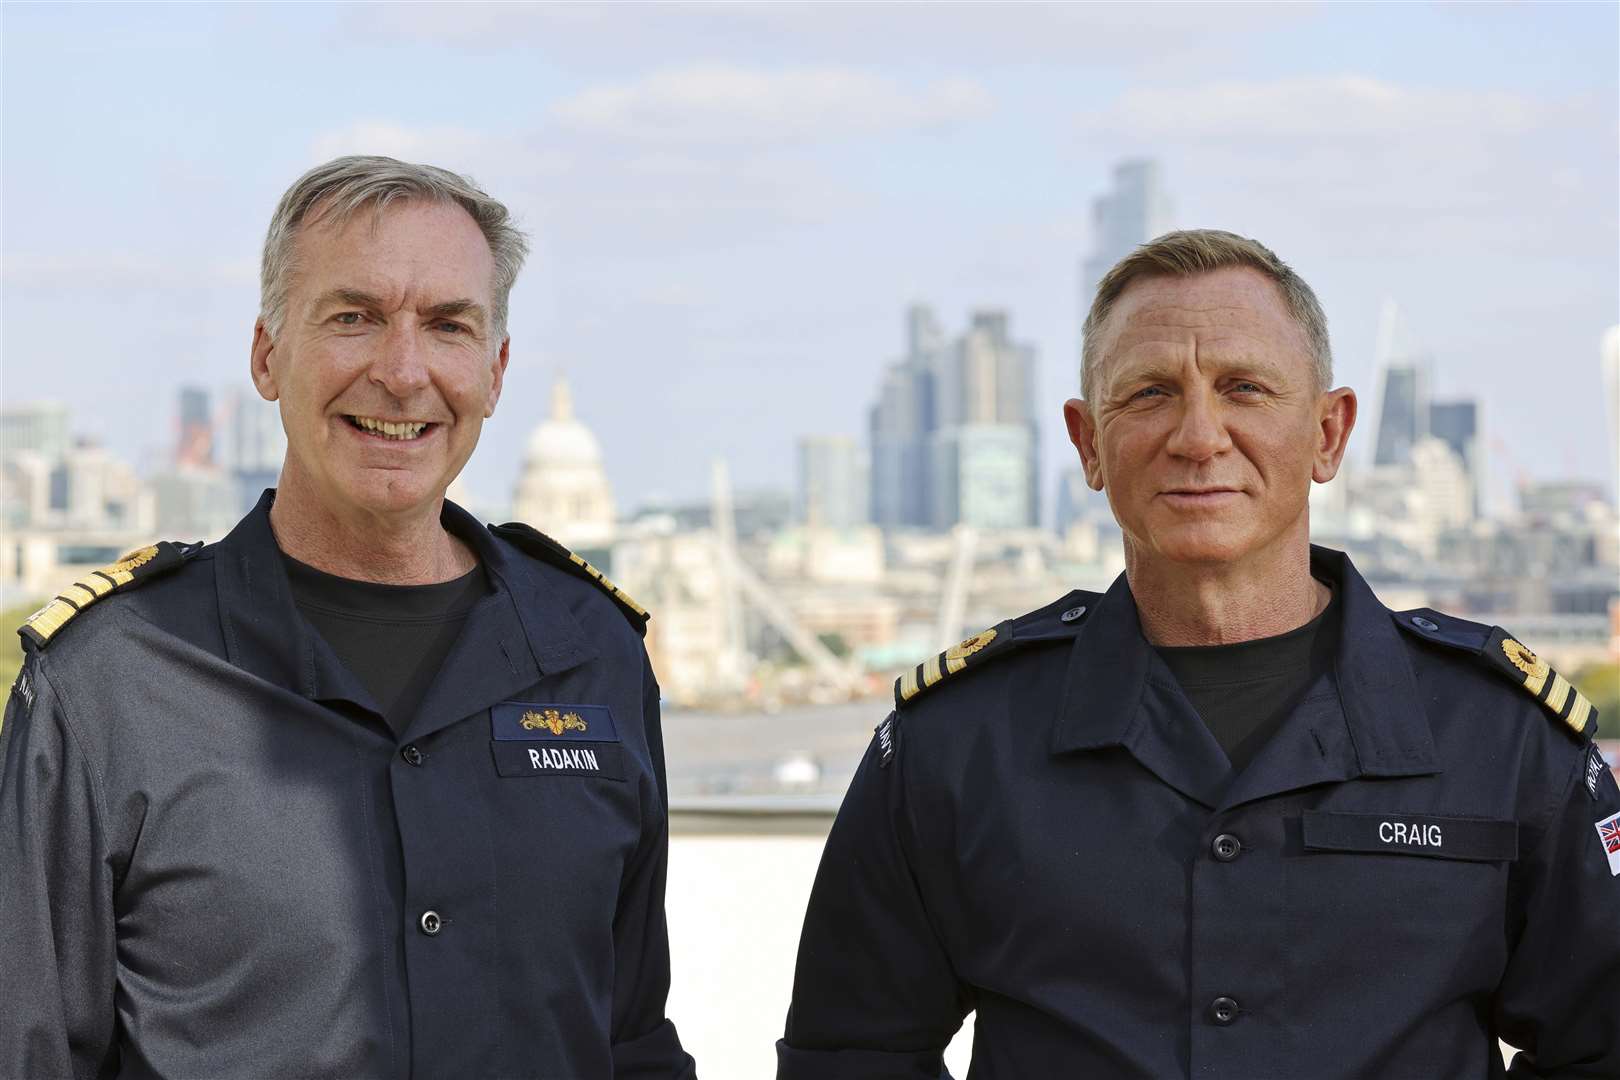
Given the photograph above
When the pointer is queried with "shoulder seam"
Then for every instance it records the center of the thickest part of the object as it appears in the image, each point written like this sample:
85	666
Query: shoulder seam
98	784
134	569
1560	798
1496	649
537	544
975	651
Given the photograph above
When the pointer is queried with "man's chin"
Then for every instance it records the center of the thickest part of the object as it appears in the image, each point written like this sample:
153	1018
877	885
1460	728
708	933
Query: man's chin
1201	545
392	492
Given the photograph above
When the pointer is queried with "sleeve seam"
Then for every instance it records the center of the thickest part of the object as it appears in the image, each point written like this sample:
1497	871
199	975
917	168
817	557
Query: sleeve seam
98	795
1559	798
98	788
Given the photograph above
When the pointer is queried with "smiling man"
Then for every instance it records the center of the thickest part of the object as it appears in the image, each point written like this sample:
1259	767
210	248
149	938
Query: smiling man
1233	818
365	789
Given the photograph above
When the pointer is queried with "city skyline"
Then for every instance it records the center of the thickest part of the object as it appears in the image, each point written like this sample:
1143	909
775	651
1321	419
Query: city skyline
733	206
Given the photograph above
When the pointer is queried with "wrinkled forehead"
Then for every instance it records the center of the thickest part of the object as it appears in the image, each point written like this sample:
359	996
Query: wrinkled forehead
404	242
1232	312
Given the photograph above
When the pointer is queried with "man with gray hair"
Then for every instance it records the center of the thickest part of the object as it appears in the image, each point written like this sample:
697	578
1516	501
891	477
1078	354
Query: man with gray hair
1232	818
365	789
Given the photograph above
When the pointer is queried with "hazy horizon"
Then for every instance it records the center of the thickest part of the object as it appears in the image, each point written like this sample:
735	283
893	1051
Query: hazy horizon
732	205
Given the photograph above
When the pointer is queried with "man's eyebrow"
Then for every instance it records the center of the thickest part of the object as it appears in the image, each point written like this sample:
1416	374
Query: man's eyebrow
451	309
1146	371
1227	363
352	297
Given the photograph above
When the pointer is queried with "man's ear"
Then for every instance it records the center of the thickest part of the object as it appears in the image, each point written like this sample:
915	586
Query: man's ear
1082	427
264	376
498	375
1336	416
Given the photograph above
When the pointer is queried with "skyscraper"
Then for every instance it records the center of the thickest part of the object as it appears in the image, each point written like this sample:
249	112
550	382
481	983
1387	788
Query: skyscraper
982	476
1611	391
41	428
984	452
1403	413
256	445
1456	423
831	489
953	432
899	424
195	444
1133	212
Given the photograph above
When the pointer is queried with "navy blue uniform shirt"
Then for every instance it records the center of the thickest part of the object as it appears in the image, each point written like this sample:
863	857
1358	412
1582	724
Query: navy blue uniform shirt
217	860
1410	868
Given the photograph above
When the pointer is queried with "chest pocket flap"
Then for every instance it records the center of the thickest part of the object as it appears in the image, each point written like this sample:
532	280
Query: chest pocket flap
1433	836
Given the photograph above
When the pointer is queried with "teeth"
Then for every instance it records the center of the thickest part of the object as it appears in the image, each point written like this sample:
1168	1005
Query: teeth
405	430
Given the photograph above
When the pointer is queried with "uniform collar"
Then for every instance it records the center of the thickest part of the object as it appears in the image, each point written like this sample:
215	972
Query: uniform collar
513	636
1373	725
1383	710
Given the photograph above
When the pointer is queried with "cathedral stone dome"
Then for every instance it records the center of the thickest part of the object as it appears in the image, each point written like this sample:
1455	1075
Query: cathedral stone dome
563	490
561	440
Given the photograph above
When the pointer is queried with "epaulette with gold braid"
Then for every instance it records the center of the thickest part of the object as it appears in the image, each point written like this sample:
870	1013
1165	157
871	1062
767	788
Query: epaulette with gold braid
975	650
546	549
1058	621
1530	671
133	569
1506	656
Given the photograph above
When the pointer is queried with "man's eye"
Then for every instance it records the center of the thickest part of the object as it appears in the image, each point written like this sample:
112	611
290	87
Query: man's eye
449	327
1148	391
1247	388
348	318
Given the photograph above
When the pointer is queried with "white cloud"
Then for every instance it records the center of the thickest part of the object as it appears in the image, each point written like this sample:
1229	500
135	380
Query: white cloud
1333	107
462	149
590	195
1371	164
122	271
716	103
586	36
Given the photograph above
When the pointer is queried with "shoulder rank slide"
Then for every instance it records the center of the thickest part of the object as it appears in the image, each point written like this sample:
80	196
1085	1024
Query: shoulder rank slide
133	569
1539	679
547	550
1507	657
959	657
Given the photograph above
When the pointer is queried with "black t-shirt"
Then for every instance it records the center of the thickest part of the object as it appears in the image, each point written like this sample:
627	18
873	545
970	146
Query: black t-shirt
393	638
1245	690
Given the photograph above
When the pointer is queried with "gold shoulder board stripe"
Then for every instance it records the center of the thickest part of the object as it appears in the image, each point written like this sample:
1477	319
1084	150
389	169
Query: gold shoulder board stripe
138	565
936	669
1539	680
536	543
612	589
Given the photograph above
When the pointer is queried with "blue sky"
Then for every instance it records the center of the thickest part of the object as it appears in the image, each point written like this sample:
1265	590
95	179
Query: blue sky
732	204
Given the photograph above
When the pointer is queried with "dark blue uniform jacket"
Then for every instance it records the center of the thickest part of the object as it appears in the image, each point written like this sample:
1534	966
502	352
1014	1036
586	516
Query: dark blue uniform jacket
217	860
1409	870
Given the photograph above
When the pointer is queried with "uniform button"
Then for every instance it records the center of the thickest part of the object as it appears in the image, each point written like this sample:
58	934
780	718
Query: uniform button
1223	1010
432	924
1073	613
1425	624
412	755
1226	847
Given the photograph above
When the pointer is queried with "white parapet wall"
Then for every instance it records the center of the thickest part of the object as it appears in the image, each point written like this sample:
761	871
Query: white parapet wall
740	873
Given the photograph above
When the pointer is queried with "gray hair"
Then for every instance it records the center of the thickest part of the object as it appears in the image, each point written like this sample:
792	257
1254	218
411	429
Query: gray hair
341	188
1198	251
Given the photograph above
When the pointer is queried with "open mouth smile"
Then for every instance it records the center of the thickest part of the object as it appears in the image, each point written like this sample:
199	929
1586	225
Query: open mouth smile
395	430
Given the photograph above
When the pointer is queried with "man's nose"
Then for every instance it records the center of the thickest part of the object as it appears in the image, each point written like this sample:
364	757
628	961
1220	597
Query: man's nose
1200	433
400	365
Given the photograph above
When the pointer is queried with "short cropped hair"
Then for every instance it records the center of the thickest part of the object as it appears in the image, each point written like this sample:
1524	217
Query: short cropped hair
1186	253
344	186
